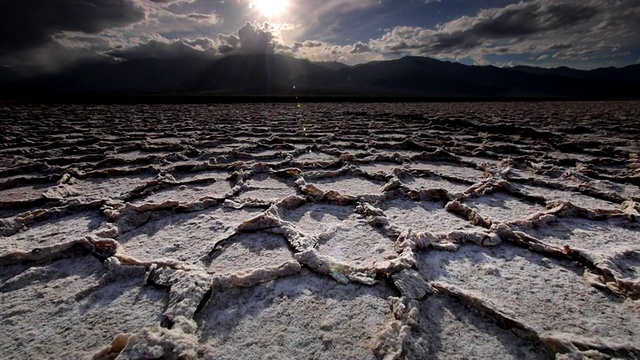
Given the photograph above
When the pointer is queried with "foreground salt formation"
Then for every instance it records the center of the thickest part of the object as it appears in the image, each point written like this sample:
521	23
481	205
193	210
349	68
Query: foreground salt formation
327	231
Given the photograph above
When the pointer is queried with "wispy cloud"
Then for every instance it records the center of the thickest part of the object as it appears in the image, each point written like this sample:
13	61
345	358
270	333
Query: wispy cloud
320	16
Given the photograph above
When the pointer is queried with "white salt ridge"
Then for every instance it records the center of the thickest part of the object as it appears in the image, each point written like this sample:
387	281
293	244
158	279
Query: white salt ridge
219	176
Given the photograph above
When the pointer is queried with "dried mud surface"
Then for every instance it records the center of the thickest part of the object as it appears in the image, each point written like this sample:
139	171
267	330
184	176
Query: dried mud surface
321	231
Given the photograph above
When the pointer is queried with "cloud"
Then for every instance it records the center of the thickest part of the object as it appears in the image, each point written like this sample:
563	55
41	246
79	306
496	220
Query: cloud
320	8
255	40
249	38
314	50
72	30
542	29
168	2
512	22
320	16
28	24
165	49
517	20
567	28
57	54
159	20
359	48
53	34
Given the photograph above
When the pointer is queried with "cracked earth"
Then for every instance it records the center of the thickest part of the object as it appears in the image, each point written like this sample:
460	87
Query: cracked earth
329	231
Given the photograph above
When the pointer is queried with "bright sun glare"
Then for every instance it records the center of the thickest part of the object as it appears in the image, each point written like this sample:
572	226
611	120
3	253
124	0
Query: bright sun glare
270	8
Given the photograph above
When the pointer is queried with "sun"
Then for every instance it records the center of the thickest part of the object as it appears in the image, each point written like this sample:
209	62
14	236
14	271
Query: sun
269	8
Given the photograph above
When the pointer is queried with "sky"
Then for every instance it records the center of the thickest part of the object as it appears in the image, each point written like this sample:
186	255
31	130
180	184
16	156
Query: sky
51	35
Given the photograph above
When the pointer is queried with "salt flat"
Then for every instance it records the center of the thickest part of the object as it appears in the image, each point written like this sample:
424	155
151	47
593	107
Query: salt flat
325	231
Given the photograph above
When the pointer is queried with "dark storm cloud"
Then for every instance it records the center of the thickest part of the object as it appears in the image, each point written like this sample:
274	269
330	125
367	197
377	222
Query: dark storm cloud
249	39
156	49
590	30
255	40
229	39
529	18
29	23
227	43
308	43
359	48
517	21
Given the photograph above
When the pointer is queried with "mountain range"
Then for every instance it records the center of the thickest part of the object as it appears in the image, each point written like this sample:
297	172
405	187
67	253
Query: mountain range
282	76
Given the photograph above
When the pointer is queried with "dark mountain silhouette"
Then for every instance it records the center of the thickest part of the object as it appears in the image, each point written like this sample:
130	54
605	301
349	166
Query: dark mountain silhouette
332	65
263	74
279	75
133	76
429	77
628	73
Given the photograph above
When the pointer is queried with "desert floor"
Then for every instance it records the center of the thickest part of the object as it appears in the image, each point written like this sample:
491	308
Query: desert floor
320	231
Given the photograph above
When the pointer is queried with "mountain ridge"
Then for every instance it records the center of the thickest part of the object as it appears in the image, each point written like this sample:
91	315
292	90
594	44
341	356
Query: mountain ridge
271	75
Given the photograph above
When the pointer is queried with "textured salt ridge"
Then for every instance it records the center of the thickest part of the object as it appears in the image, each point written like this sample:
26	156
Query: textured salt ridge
322	173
